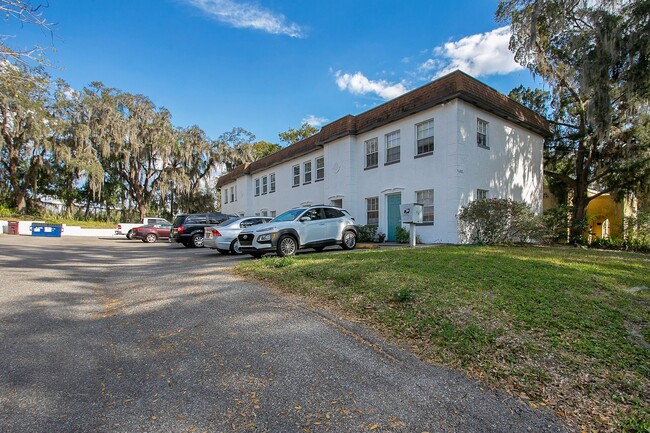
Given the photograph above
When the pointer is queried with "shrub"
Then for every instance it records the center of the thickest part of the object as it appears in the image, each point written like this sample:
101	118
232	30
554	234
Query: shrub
495	221
367	233
403	236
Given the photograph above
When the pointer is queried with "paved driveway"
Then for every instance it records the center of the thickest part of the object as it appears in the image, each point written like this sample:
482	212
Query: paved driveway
120	336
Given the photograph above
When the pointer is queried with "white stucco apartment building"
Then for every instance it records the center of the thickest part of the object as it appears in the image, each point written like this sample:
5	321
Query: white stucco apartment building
444	144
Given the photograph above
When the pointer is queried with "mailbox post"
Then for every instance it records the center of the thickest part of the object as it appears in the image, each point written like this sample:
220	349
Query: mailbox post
411	214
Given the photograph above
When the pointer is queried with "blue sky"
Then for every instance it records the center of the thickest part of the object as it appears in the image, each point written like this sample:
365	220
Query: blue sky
268	65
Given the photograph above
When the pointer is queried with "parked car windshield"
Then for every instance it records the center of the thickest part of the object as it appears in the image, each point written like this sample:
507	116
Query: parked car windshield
289	215
229	221
179	220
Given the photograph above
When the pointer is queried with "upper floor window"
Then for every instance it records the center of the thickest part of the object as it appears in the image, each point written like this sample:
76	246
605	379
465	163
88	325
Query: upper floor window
424	137
392	147
296	175
265	185
271	183
425	198
307	174
320	168
225	195
481	194
482	133
233	196
372	153
257	186
372	211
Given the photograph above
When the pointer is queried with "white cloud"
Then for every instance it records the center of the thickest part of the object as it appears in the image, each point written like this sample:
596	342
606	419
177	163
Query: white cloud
314	121
246	15
478	55
358	84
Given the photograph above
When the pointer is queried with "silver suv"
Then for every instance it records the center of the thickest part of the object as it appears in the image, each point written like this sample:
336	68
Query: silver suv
307	227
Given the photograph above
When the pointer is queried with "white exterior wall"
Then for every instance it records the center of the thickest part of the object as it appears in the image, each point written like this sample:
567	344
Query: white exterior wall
510	168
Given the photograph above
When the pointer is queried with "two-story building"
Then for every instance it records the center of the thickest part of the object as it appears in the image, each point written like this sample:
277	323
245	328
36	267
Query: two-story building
442	145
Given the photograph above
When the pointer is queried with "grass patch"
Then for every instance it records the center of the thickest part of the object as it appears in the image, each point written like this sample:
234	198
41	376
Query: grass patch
557	327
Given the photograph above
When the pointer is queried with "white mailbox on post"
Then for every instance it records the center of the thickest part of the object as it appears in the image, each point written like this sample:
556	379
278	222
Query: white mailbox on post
411	213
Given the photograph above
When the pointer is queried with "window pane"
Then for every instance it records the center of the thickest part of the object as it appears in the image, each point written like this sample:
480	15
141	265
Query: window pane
272	182
481	133
372	152
320	169
426	199
392	146
296	175
372	211
308	172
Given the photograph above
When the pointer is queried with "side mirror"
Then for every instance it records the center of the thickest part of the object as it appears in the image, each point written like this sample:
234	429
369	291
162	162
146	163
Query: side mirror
305	219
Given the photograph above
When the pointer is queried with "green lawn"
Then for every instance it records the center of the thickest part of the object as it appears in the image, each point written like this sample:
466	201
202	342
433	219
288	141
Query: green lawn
564	328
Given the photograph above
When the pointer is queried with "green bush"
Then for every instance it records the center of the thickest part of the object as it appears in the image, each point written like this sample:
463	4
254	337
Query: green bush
367	233
498	221
403	236
6	212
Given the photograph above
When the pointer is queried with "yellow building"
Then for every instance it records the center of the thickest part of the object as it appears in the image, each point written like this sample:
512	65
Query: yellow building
605	216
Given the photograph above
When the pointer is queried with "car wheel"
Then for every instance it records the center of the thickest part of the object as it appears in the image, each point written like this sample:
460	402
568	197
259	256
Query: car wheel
197	241
234	247
129	234
151	237
224	252
349	240
287	246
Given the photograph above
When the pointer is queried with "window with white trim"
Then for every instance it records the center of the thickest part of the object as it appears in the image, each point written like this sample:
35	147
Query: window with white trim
265	185
271	183
235	192
392	147
424	137
257	186
273	214
296	175
481	194
425	198
482	133
307	174
320	168
224	191
372	152
372	211
232	193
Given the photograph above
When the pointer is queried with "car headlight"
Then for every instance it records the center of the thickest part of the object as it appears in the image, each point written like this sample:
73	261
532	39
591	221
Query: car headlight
264	238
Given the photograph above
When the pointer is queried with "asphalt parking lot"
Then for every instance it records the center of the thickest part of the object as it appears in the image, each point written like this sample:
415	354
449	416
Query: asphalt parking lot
111	335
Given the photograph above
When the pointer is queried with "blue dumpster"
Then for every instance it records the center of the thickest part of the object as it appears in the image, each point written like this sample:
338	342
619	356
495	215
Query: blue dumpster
46	230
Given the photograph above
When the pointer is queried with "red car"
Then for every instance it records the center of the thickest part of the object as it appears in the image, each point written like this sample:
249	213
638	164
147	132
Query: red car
153	232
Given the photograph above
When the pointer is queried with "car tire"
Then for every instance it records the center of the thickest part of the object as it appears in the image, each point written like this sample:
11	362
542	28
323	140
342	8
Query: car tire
197	241
150	237
222	251
129	234
287	246
349	240
234	247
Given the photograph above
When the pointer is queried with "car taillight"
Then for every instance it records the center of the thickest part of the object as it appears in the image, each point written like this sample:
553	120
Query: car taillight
181	229
119	226
215	233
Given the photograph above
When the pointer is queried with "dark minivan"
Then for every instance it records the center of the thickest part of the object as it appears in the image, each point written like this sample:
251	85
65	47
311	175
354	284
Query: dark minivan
187	229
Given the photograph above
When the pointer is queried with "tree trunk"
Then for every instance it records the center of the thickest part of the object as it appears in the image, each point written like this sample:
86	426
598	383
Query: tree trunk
577	231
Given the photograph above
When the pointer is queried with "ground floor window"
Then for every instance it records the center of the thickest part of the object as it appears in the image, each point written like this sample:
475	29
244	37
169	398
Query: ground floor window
372	211
481	194
425	198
